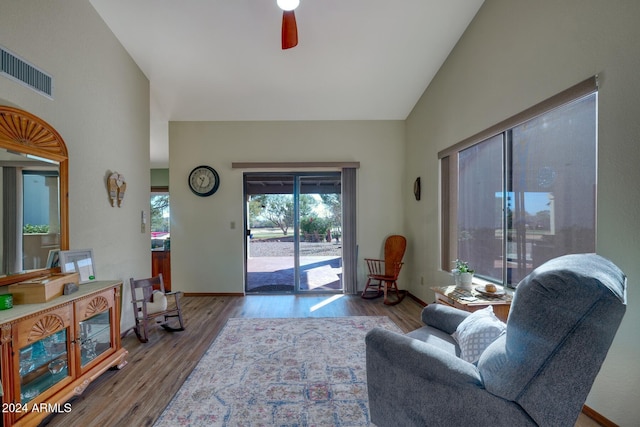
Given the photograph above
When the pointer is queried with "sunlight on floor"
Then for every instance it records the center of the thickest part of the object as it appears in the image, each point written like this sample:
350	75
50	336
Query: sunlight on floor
320	277
326	302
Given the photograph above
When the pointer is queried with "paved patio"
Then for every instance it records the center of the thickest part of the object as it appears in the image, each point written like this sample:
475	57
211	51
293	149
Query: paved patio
270	267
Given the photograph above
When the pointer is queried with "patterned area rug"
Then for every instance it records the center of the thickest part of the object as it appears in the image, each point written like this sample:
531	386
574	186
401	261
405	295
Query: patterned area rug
279	372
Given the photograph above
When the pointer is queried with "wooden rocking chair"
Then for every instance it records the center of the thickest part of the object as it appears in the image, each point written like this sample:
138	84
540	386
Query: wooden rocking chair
151	302
386	271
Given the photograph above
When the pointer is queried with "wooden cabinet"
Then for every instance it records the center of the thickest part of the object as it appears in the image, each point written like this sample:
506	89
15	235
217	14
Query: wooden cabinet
161	263
52	351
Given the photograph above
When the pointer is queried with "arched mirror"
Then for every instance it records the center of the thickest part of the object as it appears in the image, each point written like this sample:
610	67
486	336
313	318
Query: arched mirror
34	204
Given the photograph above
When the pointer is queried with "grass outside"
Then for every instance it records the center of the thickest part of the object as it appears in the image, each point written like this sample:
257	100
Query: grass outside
269	233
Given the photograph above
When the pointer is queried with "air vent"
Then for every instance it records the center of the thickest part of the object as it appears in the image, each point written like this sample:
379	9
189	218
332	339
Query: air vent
18	69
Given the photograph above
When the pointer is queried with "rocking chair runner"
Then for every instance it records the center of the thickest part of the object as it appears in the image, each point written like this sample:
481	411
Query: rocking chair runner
150	302
386	271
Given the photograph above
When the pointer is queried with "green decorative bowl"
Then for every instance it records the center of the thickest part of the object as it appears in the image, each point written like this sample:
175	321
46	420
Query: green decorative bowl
6	301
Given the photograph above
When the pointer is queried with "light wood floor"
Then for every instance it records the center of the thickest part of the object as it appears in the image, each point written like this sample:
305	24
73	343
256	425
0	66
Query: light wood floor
137	394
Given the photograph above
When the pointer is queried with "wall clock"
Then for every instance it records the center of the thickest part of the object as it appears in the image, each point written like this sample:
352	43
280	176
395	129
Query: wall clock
204	181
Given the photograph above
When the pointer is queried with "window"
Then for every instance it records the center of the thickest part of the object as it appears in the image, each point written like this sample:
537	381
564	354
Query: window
40	198
160	218
40	216
516	198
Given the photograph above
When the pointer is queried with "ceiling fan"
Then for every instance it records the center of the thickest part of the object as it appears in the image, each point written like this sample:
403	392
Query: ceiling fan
289	27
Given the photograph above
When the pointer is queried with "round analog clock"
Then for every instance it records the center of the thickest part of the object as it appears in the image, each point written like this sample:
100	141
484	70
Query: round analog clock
204	181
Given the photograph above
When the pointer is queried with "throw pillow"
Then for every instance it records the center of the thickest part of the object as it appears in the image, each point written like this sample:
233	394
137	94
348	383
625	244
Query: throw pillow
158	302
476	332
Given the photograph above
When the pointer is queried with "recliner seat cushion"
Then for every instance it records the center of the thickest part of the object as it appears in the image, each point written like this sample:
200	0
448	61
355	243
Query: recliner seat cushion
436	338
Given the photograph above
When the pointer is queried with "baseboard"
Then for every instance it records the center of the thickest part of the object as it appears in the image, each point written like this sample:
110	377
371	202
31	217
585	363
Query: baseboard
213	294
416	299
599	418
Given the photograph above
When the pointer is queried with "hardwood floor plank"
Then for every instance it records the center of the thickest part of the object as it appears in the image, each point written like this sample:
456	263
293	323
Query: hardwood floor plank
137	395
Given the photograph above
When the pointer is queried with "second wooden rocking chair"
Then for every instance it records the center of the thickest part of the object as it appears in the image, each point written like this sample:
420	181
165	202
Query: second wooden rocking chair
385	271
151	305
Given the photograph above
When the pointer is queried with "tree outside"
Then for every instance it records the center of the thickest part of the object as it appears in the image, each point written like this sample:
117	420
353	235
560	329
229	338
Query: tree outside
160	213
319	214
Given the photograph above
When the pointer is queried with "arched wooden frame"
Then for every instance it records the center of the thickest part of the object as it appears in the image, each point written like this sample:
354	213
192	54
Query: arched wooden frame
23	132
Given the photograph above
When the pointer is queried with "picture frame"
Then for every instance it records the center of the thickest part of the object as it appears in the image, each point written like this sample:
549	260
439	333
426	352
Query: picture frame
80	261
53	260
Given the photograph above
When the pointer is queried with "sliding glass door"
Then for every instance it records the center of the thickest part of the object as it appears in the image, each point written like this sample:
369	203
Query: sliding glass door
270	254
319	248
294	229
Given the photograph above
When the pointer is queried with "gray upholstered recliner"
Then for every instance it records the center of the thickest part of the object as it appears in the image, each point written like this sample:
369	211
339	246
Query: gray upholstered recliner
562	321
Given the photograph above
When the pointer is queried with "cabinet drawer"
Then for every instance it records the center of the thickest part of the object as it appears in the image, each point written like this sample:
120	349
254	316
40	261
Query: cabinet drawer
34	328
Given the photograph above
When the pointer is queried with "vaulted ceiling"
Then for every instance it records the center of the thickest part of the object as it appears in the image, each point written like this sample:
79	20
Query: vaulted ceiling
221	60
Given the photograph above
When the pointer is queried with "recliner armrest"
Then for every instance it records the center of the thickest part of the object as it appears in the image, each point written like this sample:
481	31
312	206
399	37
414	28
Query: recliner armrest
418	359
443	317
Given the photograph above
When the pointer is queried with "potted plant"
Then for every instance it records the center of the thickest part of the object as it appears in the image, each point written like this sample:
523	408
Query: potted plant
462	274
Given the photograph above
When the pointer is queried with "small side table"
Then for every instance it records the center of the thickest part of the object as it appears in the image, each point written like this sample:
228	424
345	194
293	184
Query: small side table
472	300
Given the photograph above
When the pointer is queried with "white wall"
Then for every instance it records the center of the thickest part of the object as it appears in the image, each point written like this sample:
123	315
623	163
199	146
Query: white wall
101	110
206	254
515	54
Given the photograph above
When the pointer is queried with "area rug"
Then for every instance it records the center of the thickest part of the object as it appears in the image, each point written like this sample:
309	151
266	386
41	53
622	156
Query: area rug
279	372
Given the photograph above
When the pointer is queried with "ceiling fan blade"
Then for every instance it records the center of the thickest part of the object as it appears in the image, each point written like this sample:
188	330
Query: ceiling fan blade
289	30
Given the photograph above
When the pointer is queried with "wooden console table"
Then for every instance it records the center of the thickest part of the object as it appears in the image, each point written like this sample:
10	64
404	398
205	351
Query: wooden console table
472	300
52	351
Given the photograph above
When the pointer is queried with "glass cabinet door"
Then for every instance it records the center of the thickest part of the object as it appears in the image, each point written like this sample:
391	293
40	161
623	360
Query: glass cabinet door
43	364
95	337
